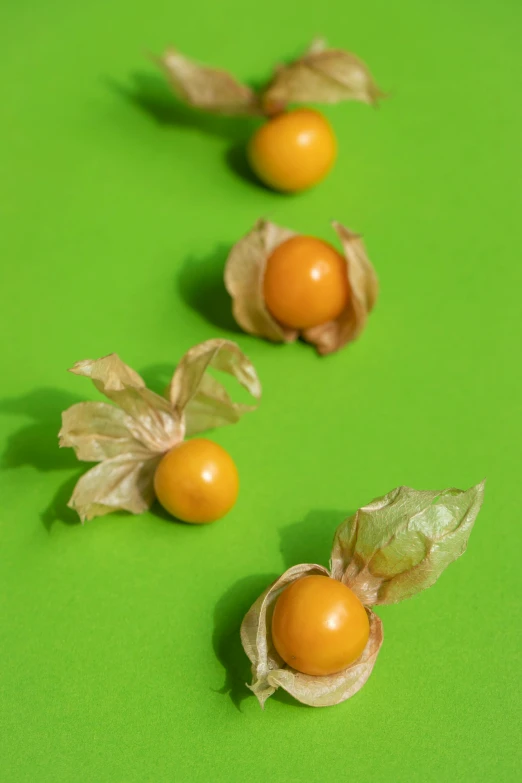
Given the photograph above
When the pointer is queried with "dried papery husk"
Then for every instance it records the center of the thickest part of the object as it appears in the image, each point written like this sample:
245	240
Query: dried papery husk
210	89
400	544
270	672
129	438
151	419
321	75
364	289
120	484
204	401
389	550
244	276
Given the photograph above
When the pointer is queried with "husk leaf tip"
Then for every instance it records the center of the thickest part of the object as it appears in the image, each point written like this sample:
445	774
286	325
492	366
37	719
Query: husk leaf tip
321	75
206	88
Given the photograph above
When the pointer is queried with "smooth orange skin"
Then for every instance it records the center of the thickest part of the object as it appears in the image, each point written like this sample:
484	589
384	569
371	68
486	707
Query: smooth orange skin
197	481
319	626
305	283
293	151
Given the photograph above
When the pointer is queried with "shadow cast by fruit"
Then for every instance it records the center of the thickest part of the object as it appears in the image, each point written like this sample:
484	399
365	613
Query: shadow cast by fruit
36	442
228	615
310	539
200	283
150	94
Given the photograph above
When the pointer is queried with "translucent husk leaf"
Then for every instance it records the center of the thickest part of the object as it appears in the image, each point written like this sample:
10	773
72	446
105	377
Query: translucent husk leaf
151	418
211	89
270	672
244	275
118	484
129	438
400	544
204	401
97	431
321	75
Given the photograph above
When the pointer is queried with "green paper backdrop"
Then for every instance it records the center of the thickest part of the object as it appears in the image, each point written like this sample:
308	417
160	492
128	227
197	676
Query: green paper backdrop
120	659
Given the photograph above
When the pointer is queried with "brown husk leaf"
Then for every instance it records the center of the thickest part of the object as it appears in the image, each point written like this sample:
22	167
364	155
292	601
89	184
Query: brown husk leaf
244	274
210	89
129	438
270	672
321	75
387	551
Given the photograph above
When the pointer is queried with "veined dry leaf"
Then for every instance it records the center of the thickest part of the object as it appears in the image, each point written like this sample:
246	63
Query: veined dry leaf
203	401
211	89
129	438
364	288
97	431
152	420
122	483
400	544
321	75
244	275
270	672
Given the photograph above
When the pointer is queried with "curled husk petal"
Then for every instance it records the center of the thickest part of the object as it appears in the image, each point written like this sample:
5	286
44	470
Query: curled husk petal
321	75
244	274
151	418
200	398
270	672
400	544
364	288
211	89
129	438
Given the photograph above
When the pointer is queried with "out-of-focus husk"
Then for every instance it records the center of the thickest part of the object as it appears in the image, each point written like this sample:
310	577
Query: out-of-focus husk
129	438
244	275
321	75
270	672
210	89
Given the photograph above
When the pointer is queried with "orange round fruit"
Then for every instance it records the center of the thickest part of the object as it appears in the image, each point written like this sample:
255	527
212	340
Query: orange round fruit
319	626
294	150
197	481
305	283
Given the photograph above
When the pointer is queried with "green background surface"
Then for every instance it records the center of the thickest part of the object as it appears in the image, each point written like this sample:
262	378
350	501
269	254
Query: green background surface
120	658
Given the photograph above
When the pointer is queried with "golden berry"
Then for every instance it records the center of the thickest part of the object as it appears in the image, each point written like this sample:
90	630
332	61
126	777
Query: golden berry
319	626
294	150
197	481
305	283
